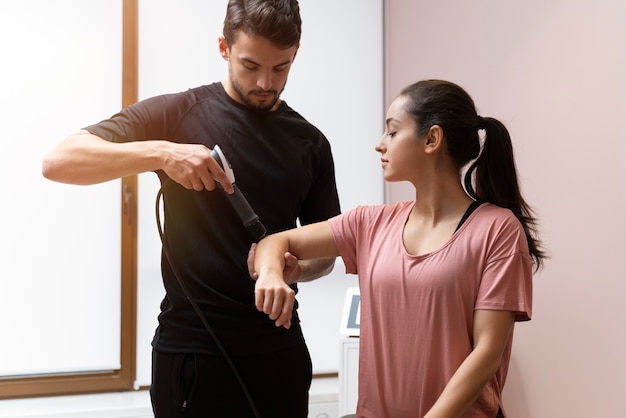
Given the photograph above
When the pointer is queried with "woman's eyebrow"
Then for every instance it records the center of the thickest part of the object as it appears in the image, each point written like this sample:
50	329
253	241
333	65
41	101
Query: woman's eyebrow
390	120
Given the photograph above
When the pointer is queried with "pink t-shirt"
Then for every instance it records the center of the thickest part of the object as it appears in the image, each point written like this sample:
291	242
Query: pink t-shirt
417	311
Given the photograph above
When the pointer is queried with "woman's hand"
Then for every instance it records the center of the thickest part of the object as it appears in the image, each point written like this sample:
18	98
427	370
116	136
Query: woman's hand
274	297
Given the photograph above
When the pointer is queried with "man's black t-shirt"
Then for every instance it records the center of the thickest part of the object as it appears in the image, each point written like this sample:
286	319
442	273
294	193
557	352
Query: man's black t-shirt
284	167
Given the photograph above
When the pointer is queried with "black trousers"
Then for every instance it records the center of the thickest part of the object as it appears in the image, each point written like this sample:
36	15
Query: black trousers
201	386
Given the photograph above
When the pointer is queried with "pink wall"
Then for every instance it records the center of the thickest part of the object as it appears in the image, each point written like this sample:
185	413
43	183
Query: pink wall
555	73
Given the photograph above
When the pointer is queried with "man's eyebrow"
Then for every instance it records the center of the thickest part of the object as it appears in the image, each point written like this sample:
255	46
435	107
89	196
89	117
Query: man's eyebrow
249	61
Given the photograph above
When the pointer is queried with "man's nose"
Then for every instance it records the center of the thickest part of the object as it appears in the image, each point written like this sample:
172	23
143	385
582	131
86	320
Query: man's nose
265	80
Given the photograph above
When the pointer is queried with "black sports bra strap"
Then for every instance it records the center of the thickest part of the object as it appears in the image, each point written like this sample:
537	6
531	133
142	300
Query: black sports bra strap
472	207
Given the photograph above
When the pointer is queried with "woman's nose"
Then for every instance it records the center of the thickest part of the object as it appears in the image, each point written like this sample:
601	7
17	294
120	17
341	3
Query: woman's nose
380	146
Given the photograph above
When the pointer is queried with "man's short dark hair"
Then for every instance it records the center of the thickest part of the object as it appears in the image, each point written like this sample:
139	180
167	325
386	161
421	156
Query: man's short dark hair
276	20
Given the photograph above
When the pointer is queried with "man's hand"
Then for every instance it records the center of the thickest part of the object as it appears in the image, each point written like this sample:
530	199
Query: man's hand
291	273
192	166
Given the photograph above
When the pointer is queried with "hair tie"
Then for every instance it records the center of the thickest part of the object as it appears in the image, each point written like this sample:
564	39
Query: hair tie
481	122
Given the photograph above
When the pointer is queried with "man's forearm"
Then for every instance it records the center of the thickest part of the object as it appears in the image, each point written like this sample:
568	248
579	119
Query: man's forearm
84	158
314	269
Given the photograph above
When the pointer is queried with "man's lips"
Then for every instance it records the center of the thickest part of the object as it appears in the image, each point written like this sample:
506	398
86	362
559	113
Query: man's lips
263	95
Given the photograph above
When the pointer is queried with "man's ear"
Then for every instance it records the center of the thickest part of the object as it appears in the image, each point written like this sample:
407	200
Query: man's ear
223	47
434	140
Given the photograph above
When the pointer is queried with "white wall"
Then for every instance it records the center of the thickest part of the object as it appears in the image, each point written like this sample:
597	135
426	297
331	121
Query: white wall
555	73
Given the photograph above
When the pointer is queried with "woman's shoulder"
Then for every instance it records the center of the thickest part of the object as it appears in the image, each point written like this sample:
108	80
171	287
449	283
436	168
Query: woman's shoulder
370	215
496	220
489	211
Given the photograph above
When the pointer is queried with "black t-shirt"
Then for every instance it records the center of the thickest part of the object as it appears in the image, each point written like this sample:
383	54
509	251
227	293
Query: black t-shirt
284	167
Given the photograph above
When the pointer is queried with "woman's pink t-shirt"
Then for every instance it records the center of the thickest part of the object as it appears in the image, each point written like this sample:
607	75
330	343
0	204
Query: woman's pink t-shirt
417	311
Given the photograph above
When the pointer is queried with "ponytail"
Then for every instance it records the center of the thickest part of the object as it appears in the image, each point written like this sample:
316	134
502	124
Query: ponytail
495	177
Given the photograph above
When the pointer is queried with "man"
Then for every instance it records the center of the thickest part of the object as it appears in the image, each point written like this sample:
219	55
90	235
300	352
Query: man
285	169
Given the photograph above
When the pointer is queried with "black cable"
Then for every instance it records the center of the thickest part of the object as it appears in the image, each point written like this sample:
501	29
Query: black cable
197	308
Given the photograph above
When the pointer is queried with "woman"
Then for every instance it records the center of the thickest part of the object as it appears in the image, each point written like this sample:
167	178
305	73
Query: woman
442	278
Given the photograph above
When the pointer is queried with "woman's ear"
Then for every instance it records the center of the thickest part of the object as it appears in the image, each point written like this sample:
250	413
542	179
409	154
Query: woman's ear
434	140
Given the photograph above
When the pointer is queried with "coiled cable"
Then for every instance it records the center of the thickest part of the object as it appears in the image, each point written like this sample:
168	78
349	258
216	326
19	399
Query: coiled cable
196	308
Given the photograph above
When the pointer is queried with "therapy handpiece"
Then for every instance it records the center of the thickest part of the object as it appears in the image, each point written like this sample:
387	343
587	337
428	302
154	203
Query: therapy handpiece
247	215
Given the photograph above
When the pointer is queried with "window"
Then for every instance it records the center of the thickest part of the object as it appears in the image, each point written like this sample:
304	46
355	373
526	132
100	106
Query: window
49	271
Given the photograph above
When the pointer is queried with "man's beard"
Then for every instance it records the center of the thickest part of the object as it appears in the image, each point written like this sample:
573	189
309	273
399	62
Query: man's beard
259	107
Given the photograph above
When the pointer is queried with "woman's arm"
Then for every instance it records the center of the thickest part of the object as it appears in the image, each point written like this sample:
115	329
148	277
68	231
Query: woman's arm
273	295
491	333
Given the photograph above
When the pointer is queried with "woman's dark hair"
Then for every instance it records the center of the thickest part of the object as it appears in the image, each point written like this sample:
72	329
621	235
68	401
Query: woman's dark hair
442	103
276	20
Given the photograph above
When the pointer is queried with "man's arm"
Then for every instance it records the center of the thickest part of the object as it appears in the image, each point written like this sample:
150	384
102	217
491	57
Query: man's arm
84	158
314	269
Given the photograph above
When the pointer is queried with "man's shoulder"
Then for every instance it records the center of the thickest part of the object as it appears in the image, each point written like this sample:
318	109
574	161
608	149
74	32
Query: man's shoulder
204	92
302	124
184	98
